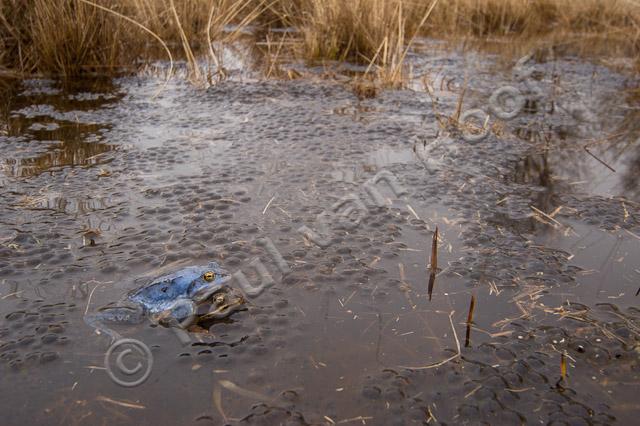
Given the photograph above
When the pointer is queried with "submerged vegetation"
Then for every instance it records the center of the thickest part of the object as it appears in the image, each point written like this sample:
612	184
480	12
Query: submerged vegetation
71	37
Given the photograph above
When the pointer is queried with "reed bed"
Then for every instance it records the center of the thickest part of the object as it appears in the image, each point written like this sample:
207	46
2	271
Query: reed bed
71	37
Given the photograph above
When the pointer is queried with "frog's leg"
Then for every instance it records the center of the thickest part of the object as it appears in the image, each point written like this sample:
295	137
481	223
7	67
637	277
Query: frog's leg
181	314
128	313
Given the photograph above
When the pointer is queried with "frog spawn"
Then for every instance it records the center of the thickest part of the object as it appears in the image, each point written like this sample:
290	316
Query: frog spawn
517	378
191	206
34	333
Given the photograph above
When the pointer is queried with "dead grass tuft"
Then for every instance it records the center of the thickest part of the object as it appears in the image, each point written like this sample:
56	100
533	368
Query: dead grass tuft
71	37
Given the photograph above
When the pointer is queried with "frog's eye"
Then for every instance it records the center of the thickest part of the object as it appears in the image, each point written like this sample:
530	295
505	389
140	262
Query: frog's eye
209	276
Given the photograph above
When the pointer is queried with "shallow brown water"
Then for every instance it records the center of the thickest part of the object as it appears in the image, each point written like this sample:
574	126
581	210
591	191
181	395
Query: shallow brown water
347	334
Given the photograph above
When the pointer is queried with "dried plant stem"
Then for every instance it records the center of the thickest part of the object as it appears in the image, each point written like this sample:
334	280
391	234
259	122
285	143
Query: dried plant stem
432	281
434	251
191	59
212	52
443	362
472	306
599	160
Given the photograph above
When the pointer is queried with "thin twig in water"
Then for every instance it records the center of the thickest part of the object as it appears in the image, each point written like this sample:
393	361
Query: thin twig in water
602	162
217	402
15	293
441	363
431	416
540	212
244	392
90	296
413	212
120	403
361	419
268	204
632	234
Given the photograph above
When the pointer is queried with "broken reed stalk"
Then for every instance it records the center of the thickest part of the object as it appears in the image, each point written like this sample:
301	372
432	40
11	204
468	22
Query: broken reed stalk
434	251
433	264
472	306
563	372
432	281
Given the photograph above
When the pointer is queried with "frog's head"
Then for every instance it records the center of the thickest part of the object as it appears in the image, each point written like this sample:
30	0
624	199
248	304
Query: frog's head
210	279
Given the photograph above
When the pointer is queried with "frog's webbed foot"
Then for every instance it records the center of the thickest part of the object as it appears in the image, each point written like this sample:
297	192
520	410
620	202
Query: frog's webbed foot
124	313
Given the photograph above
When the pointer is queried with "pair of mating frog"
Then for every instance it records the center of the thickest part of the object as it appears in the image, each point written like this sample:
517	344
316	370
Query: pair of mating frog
175	299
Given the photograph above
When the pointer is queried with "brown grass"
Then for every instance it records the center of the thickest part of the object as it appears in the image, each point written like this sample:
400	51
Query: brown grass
44	36
536	17
377	32
70	37
600	28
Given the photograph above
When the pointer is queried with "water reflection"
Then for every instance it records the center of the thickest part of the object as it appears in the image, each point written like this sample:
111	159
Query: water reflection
84	94
64	204
41	143
630	180
534	169
599	156
68	147
607	261
603	170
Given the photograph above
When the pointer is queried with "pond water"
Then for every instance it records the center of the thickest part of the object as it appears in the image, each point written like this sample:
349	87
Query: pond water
538	224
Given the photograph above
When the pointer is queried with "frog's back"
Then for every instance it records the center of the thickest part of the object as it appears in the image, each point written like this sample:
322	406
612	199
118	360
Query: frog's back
163	291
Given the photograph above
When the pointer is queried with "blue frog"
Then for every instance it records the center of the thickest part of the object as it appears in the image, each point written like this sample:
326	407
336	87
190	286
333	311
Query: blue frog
171	299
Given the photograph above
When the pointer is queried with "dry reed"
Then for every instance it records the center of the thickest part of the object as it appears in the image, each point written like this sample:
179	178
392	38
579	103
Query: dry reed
472	305
433	264
70	37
